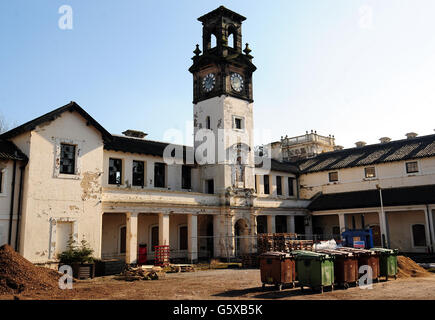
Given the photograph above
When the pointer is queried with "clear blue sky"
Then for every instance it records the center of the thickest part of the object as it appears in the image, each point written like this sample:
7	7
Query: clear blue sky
322	65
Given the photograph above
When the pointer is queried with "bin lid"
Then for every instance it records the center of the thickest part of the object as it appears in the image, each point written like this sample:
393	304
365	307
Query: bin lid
385	250
302	254
333	252
276	254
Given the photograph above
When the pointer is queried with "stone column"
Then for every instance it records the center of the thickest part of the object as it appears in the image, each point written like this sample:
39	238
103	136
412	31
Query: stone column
309	227
131	235
432	226
342	222
217	234
192	240
163	229
253	233
291	224
428	228
271	224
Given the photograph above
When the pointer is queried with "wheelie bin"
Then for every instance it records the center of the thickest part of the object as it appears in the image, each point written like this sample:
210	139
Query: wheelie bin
366	258
345	267
277	268
387	262
314	270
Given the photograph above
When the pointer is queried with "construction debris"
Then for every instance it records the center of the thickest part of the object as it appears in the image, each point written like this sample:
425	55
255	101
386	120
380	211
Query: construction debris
18	274
175	268
281	242
134	274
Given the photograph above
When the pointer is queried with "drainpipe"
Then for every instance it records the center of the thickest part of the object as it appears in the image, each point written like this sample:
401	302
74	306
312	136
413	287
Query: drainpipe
20	201
431	230
11	215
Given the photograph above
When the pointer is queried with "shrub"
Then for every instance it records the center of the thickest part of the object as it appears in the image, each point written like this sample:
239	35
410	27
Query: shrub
77	253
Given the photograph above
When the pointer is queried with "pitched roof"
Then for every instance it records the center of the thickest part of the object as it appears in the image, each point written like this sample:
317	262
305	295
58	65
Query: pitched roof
281	166
398	150
9	151
417	195
139	146
72	106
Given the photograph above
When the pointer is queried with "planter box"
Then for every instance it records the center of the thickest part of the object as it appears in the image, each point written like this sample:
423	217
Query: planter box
83	270
108	267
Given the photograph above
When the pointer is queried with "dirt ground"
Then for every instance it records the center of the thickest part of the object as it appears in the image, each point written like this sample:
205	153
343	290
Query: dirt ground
228	284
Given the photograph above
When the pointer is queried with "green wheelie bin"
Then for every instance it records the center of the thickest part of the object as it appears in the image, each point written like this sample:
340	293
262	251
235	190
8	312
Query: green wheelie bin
314	270
387	262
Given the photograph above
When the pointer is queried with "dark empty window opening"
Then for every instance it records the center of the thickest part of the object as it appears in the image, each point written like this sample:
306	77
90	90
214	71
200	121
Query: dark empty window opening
123	240
291	189
138	173
281	224
67	158
183	237
412	167
419	235
333	176
115	171
279	185
154	237
210	186
159	175
186	177
238	123
1	181
261	224
266	184
208	123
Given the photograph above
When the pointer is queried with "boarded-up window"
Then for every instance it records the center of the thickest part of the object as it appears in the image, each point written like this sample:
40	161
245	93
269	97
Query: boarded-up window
419	235
115	171
63	235
67	158
159	175
266	184
183	238
154	237
123	240
333	176
370	172
138	173
412	167
186	177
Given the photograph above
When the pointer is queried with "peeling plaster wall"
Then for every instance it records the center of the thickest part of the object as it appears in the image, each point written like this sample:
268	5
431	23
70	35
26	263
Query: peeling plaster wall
50	196
388	175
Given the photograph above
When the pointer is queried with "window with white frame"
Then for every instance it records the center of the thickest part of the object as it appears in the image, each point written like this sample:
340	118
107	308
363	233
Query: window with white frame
412	167
370	172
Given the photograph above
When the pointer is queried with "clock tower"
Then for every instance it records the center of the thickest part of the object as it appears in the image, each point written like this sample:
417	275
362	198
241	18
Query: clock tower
223	103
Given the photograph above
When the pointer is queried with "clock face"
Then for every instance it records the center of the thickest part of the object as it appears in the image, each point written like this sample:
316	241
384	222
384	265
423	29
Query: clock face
208	82
236	82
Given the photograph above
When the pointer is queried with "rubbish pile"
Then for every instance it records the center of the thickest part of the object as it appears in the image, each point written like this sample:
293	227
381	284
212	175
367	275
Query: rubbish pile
408	268
329	245
174	268
17	274
281	242
133	274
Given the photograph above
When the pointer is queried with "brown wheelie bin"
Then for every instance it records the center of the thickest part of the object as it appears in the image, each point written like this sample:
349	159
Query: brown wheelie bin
277	268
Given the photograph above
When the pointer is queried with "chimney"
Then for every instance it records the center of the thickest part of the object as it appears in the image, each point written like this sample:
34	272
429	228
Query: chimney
385	139
134	134
360	144
411	135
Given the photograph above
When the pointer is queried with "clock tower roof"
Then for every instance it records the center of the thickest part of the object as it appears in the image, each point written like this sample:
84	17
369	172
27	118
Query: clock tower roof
222	12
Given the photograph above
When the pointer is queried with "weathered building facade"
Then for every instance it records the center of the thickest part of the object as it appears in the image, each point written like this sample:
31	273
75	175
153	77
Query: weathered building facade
64	176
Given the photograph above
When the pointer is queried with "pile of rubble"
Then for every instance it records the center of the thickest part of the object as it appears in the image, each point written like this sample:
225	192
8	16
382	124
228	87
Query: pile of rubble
174	268
408	268
18	274
133	274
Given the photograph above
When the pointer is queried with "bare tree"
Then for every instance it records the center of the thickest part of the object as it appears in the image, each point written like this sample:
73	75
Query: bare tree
4	126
